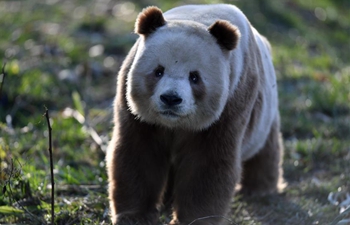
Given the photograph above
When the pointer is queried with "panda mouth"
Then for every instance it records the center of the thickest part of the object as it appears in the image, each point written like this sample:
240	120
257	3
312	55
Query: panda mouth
169	114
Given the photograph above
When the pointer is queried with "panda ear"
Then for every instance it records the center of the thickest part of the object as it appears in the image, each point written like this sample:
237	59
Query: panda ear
227	35
149	20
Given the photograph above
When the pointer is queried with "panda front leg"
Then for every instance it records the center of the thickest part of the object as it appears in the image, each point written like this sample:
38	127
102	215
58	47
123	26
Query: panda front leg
137	171
204	186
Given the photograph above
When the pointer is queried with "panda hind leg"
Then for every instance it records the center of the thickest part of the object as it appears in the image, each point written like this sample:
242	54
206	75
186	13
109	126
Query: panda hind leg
263	174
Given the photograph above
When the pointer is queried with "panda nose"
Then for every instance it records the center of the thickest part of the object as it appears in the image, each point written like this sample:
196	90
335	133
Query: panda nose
170	99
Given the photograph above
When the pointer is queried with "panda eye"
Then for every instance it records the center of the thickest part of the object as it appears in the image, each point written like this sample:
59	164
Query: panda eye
194	77
159	71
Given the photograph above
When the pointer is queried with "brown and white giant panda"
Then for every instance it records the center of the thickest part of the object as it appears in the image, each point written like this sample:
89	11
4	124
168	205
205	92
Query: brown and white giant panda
196	112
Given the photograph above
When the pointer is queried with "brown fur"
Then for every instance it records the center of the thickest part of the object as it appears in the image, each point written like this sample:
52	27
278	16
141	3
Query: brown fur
149	20
198	90
197	170
262	174
152	81
226	34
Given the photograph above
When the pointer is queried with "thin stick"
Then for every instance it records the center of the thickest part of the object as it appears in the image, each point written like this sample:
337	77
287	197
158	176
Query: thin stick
3	78
210	217
51	168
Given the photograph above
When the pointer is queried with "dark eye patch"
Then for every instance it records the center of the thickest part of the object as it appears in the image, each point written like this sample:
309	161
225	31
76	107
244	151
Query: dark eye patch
159	71
194	77
198	87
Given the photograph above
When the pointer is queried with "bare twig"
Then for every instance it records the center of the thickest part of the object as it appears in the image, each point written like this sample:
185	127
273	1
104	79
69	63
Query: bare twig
3	78
210	217
51	168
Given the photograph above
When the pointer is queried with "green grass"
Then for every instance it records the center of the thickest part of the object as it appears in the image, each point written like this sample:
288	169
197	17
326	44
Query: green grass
48	46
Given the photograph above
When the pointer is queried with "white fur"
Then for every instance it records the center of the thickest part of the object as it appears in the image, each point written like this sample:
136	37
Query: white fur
207	15
174	85
269	111
183	45
179	56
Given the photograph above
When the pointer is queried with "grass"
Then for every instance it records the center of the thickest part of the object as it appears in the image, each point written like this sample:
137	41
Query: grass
64	55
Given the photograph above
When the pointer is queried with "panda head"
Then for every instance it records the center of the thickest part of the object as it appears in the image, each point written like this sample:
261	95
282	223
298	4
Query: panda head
181	72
